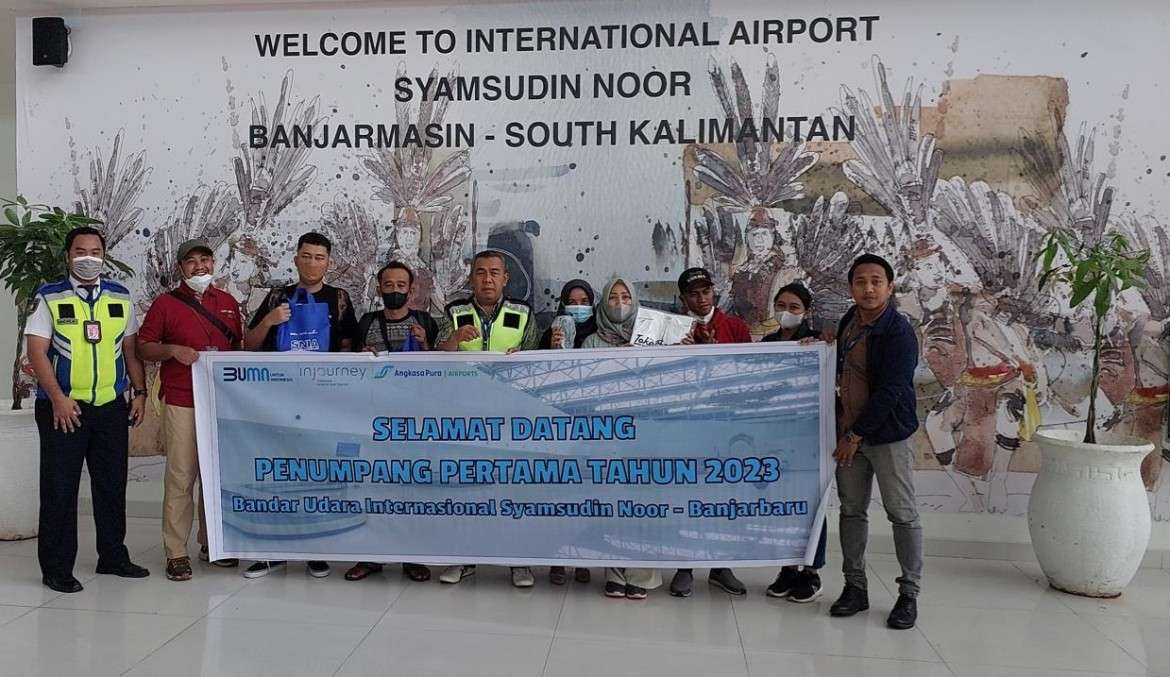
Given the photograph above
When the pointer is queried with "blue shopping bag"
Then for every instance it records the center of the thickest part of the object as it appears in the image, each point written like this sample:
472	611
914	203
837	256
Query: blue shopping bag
307	329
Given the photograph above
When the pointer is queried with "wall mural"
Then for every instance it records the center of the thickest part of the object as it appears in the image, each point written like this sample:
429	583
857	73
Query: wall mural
955	179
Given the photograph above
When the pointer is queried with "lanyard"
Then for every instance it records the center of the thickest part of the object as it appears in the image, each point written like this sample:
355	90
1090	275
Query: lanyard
485	323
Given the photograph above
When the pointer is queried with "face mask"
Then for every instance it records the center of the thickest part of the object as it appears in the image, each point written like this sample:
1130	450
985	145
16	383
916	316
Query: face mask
619	313
704	319
199	283
86	268
579	313
394	300
788	320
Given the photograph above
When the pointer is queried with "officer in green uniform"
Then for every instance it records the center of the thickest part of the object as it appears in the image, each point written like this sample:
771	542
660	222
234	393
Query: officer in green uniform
487	320
91	388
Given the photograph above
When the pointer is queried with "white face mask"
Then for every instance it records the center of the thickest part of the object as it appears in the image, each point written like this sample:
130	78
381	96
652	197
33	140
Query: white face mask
703	319
789	320
86	268
199	283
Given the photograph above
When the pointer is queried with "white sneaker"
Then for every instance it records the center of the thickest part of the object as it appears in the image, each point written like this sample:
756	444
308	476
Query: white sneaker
522	577
456	573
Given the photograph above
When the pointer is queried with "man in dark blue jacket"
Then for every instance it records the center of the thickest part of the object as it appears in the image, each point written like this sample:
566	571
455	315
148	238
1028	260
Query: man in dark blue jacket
877	353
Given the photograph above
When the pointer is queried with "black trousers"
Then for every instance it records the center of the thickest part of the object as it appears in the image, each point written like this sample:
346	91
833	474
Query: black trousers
102	443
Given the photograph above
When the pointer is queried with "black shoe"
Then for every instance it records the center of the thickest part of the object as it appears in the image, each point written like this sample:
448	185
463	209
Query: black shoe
905	613
557	576
725	580
581	575
682	583
785	581
614	590
317	569
853	600
807	588
634	592
62	583
126	569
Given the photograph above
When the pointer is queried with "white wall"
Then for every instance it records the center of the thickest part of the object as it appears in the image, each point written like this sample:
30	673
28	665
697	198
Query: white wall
7	170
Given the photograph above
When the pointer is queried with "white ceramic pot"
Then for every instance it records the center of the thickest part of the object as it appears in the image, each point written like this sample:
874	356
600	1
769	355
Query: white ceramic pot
20	455
1088	513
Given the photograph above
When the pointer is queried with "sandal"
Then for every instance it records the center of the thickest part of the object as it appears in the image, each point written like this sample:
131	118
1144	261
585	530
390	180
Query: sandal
417	572
362	569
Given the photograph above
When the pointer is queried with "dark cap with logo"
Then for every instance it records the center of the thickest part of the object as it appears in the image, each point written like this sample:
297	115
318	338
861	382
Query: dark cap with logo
189	246
693	278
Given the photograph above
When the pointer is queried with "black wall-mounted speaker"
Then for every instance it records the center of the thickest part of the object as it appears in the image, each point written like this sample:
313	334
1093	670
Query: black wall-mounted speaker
50	41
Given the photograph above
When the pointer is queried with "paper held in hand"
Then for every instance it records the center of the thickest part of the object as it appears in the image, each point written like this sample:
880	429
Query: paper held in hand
658	328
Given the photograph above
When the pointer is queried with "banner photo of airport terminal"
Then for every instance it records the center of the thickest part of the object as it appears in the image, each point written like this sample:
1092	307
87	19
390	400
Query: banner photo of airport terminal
765	142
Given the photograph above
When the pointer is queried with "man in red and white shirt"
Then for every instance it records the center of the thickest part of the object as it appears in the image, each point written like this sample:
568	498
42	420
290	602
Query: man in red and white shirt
696	288
193	317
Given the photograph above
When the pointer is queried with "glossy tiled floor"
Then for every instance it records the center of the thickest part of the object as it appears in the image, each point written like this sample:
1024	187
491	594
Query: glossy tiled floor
979	618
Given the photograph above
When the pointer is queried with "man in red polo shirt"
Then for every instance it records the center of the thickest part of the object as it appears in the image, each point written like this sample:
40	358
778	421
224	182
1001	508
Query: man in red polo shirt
697	291
193	317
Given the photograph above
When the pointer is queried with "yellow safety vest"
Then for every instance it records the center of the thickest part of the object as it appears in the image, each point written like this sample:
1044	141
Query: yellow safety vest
89	372
505	332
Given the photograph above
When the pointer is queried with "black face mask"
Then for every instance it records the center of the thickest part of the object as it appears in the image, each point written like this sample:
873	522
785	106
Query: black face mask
394	300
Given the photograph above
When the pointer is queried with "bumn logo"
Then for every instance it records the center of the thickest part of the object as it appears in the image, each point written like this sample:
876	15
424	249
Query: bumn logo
385	371
247	374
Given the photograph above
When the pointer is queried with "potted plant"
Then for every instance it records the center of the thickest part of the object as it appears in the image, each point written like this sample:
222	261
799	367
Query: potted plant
1088	514
32	243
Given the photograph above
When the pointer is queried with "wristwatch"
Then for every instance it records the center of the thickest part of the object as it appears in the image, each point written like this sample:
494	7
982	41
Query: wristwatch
137	392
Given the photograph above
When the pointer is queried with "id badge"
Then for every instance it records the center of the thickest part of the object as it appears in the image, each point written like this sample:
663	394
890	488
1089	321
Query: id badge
93	331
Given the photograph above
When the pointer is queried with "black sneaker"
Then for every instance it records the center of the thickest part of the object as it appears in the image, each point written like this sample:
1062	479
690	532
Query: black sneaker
725	580
634	592
904	614
260	569
853	600
317	569
785	581
614	590
807	588
684	580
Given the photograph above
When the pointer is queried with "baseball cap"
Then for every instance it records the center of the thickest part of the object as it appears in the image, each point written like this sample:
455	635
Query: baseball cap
692	278
193	245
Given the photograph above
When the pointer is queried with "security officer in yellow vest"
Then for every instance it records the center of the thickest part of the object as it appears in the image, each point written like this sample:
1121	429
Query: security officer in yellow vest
488	321
81	346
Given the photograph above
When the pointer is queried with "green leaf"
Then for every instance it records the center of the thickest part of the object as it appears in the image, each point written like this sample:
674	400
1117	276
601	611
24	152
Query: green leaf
10	214
1080	292
1104	298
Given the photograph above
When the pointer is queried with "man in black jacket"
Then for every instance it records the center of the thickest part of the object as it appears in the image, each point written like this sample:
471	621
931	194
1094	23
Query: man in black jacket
877	353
